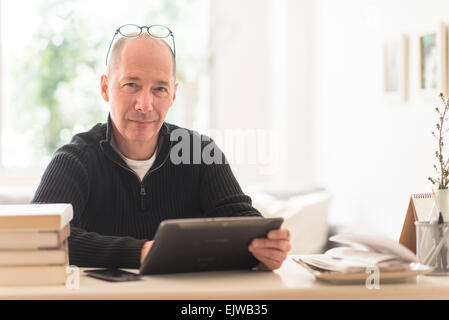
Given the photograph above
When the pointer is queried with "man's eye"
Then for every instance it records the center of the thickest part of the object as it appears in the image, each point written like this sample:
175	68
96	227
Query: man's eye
160	92
131	87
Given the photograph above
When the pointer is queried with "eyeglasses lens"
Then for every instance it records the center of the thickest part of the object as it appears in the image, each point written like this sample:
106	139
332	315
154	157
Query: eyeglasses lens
158	31
130	31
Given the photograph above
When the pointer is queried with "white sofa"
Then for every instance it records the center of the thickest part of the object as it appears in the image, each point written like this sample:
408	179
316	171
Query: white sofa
305	213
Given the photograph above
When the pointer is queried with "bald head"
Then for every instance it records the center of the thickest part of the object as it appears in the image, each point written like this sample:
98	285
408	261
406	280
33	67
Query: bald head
122	43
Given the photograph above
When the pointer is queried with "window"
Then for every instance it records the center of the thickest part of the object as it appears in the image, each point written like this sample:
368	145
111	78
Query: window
53	54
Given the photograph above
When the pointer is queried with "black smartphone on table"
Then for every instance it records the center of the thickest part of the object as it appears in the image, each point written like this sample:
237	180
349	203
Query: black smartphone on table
115	275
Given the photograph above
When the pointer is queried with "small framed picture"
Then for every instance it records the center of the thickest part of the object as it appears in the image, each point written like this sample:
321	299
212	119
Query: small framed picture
396	68
433	61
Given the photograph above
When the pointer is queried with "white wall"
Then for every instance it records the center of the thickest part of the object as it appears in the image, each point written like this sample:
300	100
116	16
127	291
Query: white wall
301	86
263	78
372	154
240	72
337	127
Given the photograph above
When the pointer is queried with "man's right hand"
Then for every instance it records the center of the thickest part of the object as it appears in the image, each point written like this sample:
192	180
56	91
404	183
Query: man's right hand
145	249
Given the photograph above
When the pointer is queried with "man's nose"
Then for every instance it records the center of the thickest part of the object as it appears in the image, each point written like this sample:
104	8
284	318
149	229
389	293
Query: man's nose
145	101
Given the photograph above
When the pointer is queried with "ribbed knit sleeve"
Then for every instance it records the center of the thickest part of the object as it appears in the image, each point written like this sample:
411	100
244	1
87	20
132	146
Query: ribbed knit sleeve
66	180
221	195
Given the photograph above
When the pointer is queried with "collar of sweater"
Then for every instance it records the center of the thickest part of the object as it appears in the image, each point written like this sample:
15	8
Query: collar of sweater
164	145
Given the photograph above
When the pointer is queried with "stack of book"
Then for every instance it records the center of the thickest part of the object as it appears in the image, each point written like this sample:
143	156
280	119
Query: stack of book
33	243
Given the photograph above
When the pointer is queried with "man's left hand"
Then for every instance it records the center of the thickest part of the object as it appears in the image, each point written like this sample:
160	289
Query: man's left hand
271	251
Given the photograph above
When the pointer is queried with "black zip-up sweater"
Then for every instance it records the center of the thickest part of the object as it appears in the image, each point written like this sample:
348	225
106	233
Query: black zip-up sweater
115	213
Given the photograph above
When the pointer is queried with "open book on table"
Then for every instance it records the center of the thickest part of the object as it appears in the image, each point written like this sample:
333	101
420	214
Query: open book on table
361	255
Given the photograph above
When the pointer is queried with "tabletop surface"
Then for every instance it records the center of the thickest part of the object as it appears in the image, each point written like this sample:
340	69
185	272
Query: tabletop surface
291	281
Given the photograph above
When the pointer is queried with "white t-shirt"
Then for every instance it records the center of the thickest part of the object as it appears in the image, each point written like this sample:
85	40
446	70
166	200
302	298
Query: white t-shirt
140	167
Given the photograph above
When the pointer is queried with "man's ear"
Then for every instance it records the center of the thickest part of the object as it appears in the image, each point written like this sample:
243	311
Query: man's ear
104	85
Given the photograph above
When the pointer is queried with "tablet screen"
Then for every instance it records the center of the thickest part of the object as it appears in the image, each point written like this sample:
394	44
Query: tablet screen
206	244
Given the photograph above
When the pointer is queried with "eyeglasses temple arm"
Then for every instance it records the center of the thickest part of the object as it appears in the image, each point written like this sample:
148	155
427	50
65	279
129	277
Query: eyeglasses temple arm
174	46
110	45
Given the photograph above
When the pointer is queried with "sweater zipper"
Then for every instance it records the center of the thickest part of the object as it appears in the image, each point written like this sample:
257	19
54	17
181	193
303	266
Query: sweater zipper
142	187
142	196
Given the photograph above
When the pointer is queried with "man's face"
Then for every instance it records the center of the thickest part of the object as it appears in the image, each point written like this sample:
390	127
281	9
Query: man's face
141	88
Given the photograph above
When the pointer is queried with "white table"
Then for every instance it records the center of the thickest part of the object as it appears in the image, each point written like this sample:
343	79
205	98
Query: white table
289	282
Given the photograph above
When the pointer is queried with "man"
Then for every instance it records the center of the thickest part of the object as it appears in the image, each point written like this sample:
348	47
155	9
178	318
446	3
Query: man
119	176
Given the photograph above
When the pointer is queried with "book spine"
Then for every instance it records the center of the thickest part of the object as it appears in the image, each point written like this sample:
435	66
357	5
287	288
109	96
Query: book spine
40	275
57	256
33	240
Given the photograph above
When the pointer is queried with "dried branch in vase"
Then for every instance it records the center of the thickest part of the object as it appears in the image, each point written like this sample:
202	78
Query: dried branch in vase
442	167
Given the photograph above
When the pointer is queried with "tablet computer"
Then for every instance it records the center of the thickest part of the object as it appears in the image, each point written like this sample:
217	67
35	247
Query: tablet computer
206	244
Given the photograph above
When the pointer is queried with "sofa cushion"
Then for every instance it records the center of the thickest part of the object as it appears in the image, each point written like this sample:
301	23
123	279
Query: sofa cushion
305	215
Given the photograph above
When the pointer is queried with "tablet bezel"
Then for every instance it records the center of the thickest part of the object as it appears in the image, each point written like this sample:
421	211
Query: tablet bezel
206	244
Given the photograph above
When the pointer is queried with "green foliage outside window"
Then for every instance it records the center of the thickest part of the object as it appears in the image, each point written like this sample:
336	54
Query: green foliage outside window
57	84
49	76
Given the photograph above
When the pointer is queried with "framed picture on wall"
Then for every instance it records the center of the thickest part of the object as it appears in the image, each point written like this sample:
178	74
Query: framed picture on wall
433	61
396	68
